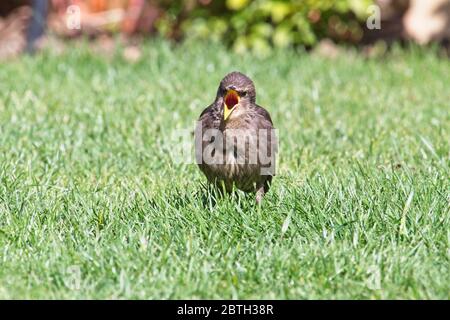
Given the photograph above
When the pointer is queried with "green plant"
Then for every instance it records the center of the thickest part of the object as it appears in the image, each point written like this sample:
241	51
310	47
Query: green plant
88	189
262	24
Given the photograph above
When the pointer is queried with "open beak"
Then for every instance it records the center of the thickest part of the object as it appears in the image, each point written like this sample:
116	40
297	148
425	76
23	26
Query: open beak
230	103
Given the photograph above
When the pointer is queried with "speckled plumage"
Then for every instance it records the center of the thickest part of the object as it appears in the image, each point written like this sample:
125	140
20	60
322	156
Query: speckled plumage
242	165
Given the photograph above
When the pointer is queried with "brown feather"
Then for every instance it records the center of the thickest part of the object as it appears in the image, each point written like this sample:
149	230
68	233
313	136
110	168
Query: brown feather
237	169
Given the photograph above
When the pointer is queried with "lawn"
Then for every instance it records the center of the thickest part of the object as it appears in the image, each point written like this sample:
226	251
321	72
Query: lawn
92	204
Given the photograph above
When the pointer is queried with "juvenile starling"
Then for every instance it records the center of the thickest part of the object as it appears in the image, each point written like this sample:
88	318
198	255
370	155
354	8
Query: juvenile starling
235	139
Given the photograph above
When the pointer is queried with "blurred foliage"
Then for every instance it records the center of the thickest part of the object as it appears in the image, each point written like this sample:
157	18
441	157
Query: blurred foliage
260	25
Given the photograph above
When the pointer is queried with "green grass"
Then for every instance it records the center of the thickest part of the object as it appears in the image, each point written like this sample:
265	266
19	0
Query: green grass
87	184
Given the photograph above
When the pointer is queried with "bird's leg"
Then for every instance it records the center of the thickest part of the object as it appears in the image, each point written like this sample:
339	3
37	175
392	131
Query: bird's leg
262	189
260	194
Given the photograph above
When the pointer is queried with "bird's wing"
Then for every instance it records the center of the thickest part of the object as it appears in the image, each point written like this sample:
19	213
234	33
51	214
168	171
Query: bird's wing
264	113
207	120
208	109
210	117
264	121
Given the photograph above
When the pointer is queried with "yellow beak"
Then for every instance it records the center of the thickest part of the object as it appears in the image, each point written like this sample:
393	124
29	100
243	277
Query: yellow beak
230	103
227	112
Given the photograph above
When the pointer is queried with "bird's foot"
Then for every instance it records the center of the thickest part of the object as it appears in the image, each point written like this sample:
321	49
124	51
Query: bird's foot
260	195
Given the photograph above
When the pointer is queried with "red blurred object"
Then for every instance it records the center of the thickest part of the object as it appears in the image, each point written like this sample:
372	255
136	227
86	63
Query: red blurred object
100	16
132	15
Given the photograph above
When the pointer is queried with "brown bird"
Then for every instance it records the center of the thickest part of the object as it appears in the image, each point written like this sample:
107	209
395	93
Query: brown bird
235	142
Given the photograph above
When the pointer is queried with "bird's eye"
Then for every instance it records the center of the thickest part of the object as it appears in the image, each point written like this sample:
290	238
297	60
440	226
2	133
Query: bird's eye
243	93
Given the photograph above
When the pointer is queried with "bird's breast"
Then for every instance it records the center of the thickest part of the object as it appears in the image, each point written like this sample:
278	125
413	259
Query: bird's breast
233	159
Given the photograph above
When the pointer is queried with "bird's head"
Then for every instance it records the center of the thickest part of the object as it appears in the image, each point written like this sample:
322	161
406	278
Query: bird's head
235	94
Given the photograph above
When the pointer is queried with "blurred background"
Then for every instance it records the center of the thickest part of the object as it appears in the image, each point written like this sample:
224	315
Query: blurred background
242	25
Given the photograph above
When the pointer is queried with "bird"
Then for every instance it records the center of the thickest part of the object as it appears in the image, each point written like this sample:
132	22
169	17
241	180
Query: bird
235	139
